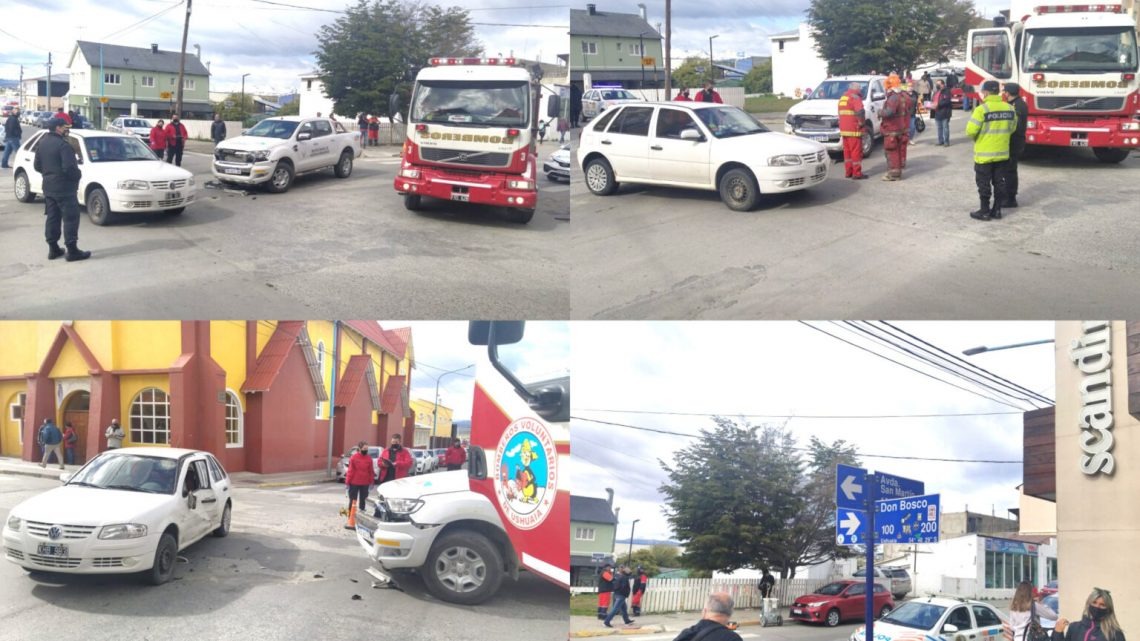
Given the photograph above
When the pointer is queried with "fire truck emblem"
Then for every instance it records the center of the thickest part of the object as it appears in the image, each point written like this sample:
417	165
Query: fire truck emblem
526	481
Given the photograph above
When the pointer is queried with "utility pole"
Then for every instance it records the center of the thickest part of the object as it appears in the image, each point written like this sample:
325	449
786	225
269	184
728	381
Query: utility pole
182	60
332	393
668	47
49	83
22	89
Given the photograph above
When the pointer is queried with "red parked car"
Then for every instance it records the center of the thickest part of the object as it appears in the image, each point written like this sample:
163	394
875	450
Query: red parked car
840	601
1050	588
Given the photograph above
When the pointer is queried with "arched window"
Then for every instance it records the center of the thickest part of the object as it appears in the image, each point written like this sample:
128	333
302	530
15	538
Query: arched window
150	417
320	369
235	434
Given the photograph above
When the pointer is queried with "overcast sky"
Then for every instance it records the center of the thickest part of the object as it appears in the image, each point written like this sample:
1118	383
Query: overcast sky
440	346
734	368
273	43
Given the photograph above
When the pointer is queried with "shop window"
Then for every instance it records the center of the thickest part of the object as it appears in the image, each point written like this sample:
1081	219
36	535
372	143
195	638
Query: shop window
989	569
150	417
1051	569
234	424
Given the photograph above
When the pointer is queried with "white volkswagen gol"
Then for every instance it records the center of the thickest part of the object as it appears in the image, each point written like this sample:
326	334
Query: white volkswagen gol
120	174
126	510
697	146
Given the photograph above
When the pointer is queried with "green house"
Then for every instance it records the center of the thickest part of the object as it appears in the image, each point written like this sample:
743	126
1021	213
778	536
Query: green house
615	48
106	80
593	529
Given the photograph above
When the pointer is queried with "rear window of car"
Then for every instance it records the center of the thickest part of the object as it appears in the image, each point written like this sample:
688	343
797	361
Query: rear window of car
216	470
633	121
604	121
985	616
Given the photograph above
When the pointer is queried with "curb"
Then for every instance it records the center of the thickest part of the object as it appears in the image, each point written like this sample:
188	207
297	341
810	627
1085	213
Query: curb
273	484
632	632
43	475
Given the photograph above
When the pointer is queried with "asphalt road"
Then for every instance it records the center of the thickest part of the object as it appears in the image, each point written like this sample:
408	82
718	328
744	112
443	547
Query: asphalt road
288	570
327	248
864	249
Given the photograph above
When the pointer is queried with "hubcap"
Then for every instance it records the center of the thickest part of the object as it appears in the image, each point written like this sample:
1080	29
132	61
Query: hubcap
346	164
21	187
596	177
461	569
280	177
166	560
738	190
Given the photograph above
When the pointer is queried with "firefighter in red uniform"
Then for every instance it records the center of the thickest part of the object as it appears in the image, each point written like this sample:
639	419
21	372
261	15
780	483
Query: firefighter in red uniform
639	589
851	119
895	127
605	589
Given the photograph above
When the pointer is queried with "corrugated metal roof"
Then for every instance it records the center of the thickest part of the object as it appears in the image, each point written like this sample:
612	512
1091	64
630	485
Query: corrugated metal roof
395	397
140	58
399	337
606	23
373	332
358	372
589	509
273	355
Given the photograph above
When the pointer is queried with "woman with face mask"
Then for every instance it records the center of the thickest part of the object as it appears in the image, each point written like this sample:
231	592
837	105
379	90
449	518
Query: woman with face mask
1098	623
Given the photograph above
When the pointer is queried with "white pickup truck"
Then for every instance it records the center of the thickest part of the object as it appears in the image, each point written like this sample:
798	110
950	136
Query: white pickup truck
817	116
275	150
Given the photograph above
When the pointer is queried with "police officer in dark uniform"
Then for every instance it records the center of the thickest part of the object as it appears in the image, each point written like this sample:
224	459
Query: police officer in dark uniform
55	161
1012	95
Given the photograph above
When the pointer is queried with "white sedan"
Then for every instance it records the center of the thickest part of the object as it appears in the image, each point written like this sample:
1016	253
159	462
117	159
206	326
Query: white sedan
120	174
938	619
697	145
126	510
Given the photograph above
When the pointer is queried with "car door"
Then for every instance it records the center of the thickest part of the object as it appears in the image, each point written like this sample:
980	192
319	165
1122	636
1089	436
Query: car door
853	602
675	160
321	149
199	501
28	157
959	617
303	157
875	99
588	103
987	622
626	143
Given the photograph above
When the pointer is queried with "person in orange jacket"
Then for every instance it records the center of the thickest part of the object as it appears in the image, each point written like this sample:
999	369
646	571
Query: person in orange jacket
395	461
605	590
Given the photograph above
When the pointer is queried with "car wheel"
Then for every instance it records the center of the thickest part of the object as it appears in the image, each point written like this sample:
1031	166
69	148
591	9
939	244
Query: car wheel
832	618
281	179
463	567
885	611
868	140
738	190
520	216
165	556
412	202
224	527
600	177
343	168
23	188
98	207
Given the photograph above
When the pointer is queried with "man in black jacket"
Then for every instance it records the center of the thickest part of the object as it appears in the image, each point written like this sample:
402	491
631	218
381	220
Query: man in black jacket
713	623
217	129
1012	95
55	161
12	135
621	594
943	109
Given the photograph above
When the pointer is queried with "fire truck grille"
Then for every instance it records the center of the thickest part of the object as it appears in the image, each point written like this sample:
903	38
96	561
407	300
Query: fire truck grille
816	122
461	157
1078	103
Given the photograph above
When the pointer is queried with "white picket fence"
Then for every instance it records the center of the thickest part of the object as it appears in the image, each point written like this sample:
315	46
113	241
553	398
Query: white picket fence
689	595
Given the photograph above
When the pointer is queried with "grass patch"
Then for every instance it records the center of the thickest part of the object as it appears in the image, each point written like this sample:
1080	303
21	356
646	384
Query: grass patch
583	604
768	104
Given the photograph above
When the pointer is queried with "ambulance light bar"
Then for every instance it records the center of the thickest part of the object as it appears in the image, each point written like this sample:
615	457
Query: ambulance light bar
443	62
1078	8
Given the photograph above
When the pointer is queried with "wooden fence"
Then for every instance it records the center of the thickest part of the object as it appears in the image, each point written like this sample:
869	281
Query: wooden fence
689	595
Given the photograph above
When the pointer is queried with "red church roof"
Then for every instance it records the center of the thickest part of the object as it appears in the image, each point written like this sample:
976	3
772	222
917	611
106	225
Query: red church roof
394	397
372	331
274	354
357	374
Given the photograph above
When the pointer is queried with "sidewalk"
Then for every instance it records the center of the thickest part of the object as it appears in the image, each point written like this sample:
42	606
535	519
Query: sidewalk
10	465
582	627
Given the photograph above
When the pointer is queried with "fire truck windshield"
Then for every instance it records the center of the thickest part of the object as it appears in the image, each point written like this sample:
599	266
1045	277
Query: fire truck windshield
1090	50
502	104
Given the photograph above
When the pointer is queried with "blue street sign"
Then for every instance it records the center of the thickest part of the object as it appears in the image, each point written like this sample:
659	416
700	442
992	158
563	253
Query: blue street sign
849	490
850	527
911	519
896	487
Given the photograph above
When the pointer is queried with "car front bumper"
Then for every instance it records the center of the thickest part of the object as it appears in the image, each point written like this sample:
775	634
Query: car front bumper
776	180
482	189
150	200
808	615
829	138
84	556
556	170
243	173
395	545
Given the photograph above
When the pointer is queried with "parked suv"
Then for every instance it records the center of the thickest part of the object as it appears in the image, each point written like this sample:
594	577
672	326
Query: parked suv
896	579
817	117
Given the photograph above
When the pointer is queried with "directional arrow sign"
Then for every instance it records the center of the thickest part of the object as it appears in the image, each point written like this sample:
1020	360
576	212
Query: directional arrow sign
849	491
912	519
850	527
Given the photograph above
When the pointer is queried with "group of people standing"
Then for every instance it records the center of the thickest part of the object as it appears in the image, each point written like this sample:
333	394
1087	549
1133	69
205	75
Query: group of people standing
615	589
369	126
708	94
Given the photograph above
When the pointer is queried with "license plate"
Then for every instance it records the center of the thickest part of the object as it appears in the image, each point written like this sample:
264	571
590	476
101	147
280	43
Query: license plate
173	195
819	137
230	170
797	612
463	198
50	549
365	532
821	170
1079	142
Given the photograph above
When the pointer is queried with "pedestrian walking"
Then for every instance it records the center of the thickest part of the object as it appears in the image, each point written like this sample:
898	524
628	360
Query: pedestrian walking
217	129
1012	95
895	115
575	105
158	139
640	582
713	625
990	127
55	161
1025	612
709	94
175	140
13	132
70	438
767	582
605	590
563	129
943	108
114	435
1098	622
51	437
924	86
621	595
358	477
456	456
395	461
852	115
373	131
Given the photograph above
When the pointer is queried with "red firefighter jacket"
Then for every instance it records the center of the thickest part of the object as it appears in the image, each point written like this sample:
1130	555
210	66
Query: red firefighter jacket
851	114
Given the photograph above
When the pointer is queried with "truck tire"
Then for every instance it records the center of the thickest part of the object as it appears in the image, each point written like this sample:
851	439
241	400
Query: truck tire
412	202
520	216
600	178
98	207
1110	154
738	189
463	567
281	179
343	168
23	188
868	140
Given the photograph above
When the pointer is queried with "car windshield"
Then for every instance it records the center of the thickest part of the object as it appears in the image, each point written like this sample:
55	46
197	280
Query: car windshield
912	614
1086	50
116	149
129	472
273	129
834	89
617	94
831	589
136	123
727	122
503	103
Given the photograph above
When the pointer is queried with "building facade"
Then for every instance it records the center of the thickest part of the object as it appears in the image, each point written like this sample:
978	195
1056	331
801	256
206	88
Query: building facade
796	65
593	530
262	396
313	98
433	424
977	566
35	93
136	80
615	49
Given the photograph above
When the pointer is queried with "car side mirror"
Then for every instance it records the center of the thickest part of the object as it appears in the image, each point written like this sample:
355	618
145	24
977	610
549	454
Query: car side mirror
553	106
476	463
304	136
691	134
950	627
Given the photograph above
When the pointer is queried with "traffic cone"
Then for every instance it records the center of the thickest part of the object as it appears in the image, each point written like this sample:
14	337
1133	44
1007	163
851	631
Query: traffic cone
351	525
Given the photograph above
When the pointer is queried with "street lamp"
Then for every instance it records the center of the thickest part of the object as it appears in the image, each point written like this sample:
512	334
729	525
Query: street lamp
982	348
712	65
629	557
435	407
242	107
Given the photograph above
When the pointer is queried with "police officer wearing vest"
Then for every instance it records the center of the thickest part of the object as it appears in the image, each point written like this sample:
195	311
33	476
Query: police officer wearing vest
1011	92
851	119
990	127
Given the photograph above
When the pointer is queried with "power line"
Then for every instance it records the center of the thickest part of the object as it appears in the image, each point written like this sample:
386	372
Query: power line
658	430
798	416
141	22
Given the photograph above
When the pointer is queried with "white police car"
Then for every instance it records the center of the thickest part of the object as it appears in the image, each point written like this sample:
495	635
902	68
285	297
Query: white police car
937	618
